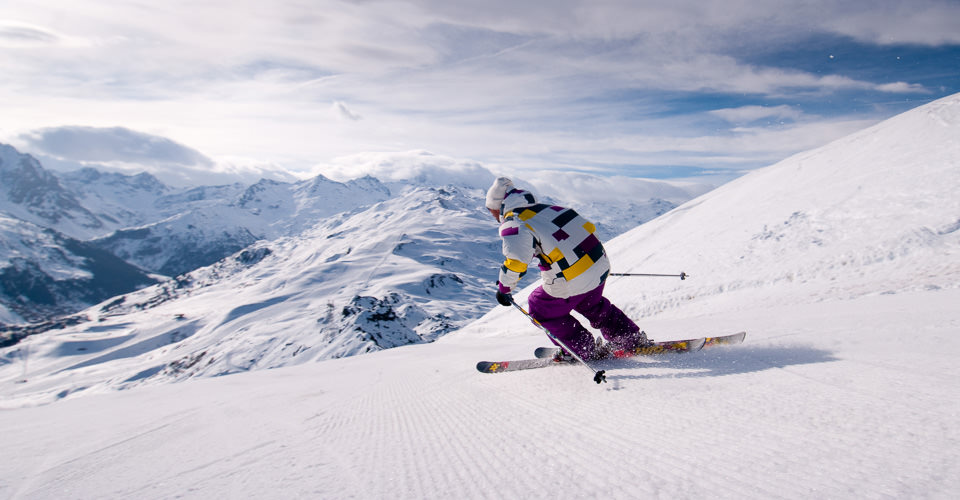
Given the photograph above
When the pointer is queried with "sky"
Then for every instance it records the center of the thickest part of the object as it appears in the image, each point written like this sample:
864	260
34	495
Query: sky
214	91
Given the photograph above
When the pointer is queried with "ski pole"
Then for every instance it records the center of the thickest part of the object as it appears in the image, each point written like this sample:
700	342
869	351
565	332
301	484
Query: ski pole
598	376
682	276
26	357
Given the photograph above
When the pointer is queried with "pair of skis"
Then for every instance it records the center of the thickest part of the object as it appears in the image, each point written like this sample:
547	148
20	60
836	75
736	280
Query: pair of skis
546	356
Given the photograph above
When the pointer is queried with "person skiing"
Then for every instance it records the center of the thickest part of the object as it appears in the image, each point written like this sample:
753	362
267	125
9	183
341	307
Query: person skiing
573	271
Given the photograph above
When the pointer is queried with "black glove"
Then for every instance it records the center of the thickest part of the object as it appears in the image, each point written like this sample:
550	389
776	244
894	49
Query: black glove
505	299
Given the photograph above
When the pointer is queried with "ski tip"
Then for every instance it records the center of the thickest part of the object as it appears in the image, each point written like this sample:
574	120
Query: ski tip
735	338
545	352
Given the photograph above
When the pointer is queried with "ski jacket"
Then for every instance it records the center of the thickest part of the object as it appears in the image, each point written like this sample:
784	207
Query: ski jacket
571	258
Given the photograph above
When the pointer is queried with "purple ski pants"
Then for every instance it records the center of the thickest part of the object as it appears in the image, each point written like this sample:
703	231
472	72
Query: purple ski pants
554	314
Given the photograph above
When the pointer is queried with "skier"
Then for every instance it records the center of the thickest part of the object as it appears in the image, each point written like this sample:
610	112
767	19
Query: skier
573	269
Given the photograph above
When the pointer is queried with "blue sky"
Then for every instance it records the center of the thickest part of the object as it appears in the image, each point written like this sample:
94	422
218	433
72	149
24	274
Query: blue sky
215	91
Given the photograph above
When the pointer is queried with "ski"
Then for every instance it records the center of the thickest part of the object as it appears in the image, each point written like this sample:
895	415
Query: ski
545	355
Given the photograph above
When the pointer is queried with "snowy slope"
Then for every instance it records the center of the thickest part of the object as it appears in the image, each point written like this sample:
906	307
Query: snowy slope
876	212
845	388
823	401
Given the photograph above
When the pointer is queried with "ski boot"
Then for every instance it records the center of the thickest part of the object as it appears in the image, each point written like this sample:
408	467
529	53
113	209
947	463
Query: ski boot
603	350
563	356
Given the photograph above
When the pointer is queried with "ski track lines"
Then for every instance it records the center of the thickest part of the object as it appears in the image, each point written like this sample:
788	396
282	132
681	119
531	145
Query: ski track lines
751	438
78	469
432	440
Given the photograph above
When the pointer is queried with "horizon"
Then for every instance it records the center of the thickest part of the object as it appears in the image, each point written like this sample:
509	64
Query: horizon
668	91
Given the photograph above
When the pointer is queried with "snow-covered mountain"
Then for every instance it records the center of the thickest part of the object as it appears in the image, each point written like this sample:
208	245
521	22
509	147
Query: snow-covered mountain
402	271
30	193
165	230
159	229
840	263
180	243
170	231
45	274
407	269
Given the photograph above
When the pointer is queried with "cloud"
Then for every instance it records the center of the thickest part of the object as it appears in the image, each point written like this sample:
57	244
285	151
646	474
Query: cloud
116	144
344	112
419	167
903	88
22	35
13	35
129	151
580	188
924	22
748	114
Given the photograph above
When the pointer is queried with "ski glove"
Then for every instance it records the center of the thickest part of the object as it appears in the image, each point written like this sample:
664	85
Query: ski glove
505	299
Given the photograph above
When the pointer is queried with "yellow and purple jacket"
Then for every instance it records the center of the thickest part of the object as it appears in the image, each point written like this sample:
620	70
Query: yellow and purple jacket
571	258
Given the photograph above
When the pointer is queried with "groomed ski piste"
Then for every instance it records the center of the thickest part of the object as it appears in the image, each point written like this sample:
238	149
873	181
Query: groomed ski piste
842	264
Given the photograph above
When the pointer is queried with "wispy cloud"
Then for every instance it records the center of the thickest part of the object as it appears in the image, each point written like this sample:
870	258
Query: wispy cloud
15	35
748	114
924	22
344	112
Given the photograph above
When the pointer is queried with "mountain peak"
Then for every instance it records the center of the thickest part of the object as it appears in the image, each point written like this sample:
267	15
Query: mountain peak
29	191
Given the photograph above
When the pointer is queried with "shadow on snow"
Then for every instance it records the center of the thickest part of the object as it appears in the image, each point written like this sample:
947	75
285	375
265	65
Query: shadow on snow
717	362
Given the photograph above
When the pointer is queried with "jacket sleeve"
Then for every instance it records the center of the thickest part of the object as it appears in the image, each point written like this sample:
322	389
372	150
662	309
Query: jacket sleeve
518	251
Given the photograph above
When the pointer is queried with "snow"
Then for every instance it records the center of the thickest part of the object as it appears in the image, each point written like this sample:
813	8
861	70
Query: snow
9	317
840	263
823	400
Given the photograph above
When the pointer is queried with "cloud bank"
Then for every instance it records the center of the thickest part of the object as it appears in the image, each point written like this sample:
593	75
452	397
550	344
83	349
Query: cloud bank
129	151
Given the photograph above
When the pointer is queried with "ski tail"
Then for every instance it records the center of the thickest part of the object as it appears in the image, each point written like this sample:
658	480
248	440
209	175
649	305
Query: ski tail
509	366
